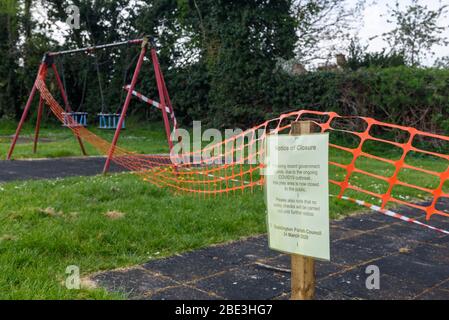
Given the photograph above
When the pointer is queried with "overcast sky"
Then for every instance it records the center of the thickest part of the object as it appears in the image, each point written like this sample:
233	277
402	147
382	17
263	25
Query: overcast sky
375	23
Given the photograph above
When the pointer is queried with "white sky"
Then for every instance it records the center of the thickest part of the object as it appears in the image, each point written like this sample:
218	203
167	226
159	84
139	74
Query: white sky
375	23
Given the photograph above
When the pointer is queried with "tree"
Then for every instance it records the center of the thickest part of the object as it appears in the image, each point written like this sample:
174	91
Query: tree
238	43
442	62
101	21
358	57
21	49
324	27
8	54
221	54
417	30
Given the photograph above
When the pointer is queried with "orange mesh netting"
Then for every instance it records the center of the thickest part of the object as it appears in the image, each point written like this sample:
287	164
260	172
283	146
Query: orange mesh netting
369	159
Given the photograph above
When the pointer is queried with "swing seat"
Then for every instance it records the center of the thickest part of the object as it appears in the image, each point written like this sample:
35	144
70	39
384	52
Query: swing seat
109	120
75	119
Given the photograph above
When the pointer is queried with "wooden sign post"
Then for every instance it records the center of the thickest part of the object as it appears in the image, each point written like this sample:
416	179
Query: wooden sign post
297	197
302	268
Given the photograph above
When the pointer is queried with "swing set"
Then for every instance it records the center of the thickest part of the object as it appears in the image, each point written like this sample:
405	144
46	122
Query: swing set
106	119
76	119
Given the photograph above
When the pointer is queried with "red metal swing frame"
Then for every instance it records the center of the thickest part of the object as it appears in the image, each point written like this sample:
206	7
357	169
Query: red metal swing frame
48	63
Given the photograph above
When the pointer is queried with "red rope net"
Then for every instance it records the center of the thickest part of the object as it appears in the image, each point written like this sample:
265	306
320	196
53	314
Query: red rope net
377	161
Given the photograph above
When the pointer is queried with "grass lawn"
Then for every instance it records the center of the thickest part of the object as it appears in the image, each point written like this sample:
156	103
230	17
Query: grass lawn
57	141
46	226
41	235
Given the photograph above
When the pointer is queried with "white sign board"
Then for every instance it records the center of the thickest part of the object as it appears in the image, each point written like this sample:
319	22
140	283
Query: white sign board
297	194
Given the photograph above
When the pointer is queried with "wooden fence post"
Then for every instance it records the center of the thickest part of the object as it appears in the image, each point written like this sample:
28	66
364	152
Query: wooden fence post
302	268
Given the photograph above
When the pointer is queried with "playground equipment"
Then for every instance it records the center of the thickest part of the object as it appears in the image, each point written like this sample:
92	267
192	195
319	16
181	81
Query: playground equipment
79	117
109	120
106	120
77	120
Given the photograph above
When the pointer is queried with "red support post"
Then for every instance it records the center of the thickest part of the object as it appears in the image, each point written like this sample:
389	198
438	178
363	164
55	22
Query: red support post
170	107
125	106
38	123
66	102
172	111
162	96
83	150
61	88
42	68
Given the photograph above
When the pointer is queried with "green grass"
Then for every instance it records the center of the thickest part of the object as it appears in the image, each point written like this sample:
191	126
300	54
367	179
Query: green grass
59	141
37	246
41	235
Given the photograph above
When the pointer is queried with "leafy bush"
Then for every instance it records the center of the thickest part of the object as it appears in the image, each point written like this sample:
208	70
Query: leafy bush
408	96
402	95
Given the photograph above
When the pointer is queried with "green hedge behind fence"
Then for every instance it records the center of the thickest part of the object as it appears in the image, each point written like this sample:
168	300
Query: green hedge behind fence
402	95
409	96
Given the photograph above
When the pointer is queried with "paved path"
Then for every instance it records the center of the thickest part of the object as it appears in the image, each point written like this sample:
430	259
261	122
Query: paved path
413	263
52	168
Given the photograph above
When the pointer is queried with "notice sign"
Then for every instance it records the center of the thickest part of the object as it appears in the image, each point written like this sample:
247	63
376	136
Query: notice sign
297	193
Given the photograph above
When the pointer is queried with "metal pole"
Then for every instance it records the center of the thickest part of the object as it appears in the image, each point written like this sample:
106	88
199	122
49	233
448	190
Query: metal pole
170	106
160	88
39	114
125	106
104	46
42	67
66	102
145	99
61	88
38	123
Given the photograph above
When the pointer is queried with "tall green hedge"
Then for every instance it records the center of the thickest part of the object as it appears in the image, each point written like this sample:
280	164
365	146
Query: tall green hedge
402	95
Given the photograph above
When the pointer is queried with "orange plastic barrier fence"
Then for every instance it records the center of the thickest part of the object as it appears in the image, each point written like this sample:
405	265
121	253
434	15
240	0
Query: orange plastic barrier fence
370	160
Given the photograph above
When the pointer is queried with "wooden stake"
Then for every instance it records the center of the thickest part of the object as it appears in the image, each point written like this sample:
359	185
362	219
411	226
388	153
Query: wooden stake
302	268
